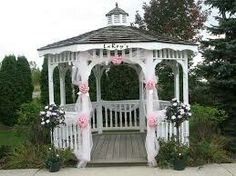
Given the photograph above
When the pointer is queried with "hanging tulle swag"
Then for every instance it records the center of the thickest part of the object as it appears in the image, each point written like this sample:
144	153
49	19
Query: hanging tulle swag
153	117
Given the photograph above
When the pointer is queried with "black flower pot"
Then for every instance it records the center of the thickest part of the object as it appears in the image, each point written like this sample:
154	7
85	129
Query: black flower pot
55	167
179	164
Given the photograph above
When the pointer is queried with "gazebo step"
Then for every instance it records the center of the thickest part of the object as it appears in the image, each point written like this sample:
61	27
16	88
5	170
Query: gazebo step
117	163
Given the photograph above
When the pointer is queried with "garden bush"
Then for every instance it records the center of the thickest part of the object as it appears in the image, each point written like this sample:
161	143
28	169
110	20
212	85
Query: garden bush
169	151
205	122
29	123
68	158
4	152
34	156
207	145
26	156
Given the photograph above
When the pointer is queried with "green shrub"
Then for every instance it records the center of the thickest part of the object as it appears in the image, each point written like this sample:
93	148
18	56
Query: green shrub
169	151
33	156
4	150
29	123
205	122
27	156
207	145
213	151
68	158
4	153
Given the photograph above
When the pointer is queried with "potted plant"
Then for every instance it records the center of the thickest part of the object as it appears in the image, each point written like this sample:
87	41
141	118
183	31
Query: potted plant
180	157
53	161
176	114
51	117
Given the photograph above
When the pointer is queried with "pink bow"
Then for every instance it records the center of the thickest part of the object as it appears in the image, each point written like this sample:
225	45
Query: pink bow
150	85
83	120
117	60
152	120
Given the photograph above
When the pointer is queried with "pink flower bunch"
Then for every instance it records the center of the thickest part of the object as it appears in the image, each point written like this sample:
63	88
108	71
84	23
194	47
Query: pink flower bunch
117	60
84	88
83	120
152	120
150	85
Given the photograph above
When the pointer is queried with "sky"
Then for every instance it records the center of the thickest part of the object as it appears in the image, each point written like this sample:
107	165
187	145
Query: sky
26	25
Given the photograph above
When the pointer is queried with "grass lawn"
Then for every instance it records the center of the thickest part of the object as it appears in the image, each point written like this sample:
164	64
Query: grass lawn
8	136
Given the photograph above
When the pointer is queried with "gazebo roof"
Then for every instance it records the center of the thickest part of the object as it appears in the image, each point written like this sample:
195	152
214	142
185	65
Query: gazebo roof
115	34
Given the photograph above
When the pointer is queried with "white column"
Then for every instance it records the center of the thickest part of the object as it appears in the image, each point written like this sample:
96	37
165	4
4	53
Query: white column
151	141
141	98
185	95
176	80
50	80
185	79
98	74
86	139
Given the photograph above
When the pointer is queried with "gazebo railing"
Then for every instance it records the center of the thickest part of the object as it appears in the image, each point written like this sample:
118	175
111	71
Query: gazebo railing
114	115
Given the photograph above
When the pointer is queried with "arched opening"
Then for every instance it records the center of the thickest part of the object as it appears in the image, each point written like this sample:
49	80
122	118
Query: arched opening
170	80
120	82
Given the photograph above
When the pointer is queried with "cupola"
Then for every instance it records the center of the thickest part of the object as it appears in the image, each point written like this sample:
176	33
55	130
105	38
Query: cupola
117	16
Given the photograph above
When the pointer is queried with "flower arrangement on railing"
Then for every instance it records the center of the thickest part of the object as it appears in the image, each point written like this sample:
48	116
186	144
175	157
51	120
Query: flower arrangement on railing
51	117
117	60
177	113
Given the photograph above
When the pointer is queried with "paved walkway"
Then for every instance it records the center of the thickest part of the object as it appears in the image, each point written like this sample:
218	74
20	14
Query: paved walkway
207	170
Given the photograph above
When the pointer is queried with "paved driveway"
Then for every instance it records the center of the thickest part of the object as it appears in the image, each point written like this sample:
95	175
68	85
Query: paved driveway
207	170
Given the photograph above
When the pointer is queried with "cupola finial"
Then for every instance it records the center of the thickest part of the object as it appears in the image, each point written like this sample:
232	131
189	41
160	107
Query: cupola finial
116	4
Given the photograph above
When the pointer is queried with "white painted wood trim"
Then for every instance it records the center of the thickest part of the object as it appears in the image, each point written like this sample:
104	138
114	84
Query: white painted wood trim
143	45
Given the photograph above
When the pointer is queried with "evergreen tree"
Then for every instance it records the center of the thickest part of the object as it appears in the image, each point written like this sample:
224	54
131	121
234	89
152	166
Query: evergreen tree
68	87
219	66
8	91
56	82
139	21
24	79
44	82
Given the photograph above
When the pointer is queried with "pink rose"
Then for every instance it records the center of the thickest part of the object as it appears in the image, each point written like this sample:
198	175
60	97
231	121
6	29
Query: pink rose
83	120
152	121
84	88
117	60
150	85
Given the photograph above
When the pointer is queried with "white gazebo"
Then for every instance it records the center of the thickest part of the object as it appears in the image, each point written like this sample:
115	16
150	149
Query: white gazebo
117	43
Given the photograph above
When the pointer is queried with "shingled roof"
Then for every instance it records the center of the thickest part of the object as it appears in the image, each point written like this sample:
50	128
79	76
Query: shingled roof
114	34
117	11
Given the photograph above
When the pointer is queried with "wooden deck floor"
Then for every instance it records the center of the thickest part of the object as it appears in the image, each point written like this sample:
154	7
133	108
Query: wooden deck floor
119	148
